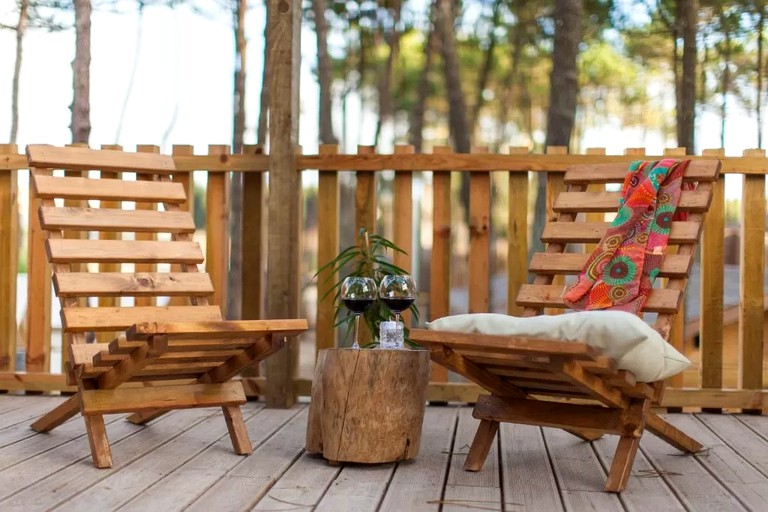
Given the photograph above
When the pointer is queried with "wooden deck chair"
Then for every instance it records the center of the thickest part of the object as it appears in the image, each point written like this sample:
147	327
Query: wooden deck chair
170	356
528	379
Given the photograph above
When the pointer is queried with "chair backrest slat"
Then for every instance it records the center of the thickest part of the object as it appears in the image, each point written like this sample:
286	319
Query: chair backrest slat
86	159
104	219
83	319
599	202
123	251
51	187
682	232
140	284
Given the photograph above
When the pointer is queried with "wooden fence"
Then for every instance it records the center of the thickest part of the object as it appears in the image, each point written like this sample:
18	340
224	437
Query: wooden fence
420	188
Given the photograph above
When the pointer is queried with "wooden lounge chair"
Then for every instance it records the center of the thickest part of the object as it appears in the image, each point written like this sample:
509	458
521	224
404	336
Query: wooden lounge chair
169	357
571	385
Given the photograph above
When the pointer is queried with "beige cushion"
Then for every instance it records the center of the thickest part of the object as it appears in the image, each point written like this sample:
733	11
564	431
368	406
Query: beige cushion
634	345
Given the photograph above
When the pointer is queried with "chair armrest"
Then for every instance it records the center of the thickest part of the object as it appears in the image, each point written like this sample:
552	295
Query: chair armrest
224	329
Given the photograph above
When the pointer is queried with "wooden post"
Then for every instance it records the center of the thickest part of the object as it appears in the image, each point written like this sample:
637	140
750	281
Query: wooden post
327	248
365	196
284	24
186	179
555	185
440	268
9	261
517	234
479	239
752	274
217	229
403	213
104	302
146	267
252	286
712	287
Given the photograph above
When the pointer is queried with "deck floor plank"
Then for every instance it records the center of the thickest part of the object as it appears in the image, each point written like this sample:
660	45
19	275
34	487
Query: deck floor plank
689	479
579	473
468	489
145	475
246	484
645	489
740	477
60	474
528	480
184	460
417	485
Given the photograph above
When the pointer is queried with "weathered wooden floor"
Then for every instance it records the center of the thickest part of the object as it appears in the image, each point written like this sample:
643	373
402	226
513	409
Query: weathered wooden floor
184	461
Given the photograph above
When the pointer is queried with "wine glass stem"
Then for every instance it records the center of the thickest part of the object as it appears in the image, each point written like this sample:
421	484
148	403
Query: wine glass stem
357	330
397	324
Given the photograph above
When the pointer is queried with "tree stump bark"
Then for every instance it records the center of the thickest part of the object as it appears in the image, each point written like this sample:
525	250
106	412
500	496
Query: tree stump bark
368	405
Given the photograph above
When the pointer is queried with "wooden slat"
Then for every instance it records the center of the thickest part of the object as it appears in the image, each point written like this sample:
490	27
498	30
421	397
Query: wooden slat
327	249
186	181
479	239
365	196
102	219
539	296
79	319
217	230
206	329
674	265
698	170
109	401
555	187
403	210
49	187
517	235
138	284
106	266
38	291
151	207
752	276
690	200
85	159
592	232
440	267
712	287
123	251
9	250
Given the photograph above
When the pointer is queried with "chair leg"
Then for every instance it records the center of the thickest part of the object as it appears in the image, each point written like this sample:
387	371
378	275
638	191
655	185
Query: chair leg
481	445
57	416
671	434
237	431
144	417
97	437
623	460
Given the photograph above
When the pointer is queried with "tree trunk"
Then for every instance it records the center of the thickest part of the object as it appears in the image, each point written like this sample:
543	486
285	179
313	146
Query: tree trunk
725	83
485	71
457	113
512	79
234	300
134	68
263	126
21	28
81	66
563	90
687	16
325	73
422	90
386	104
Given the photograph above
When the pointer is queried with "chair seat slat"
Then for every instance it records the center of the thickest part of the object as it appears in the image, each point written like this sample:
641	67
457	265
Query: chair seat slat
123	251
140	284
103	219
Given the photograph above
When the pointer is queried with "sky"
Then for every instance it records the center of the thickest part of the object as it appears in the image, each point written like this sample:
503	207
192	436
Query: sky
185	70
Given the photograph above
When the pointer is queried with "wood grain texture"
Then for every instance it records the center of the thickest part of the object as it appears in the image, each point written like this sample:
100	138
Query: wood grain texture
49	187
150	209
440	267
98	219
122	251
85	159
284	22
479	240
138	284
38	349
327	249
402	206
752	275
368	405
217	230
517	235
9	261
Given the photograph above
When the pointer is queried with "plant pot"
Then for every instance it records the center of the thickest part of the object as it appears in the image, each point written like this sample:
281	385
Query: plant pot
368	405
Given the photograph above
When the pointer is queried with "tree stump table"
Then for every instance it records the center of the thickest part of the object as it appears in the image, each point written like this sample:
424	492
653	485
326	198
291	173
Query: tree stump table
368	405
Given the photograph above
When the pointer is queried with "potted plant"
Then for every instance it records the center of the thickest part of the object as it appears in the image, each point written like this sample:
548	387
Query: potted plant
367	258
367	405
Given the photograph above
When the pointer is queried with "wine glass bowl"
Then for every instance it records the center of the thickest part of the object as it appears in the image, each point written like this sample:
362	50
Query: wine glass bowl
358	294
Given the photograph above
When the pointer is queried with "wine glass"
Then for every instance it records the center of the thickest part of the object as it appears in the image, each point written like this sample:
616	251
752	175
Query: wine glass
397	292
358	294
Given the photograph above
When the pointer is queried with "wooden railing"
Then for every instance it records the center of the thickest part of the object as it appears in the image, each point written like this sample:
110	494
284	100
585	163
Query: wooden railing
451	255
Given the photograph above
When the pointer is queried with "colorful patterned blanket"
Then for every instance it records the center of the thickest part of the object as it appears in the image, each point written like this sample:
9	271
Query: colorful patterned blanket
620	272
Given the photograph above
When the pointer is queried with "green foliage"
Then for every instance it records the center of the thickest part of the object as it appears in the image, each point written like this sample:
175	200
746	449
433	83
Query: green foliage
368	258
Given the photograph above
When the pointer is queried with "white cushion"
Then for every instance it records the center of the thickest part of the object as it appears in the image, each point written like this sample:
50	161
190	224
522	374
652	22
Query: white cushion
635	345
